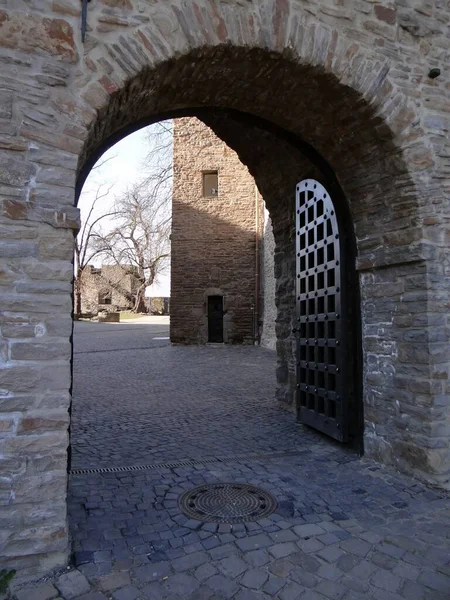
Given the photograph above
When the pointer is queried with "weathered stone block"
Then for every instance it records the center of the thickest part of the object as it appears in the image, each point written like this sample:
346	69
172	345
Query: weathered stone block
56	247
6	100
15	172
43	287
43	591
40	488
7	425
57	176
36	541
36	445
38	34
57	158
45	350
17	249
39	303
73	584
33	514
43	421
49	271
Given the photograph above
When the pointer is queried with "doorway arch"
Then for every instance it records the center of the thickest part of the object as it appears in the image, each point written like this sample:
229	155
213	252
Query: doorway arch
337	142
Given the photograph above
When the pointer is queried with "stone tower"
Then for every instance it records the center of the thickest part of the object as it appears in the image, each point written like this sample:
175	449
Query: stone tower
217	225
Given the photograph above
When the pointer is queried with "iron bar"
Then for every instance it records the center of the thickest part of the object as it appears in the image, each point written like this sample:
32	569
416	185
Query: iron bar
84	4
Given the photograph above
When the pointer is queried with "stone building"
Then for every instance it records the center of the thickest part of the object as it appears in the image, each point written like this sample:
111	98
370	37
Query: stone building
108	288
354	95
217	226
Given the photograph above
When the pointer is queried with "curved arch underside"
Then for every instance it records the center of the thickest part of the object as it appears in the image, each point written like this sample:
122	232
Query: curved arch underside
287	121
303	100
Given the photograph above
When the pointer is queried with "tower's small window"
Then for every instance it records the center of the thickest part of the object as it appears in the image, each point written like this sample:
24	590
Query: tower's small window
210	183
104	297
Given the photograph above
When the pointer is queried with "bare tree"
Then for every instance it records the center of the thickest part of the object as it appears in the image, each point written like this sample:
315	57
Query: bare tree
137	237
158	163
85	251
139	242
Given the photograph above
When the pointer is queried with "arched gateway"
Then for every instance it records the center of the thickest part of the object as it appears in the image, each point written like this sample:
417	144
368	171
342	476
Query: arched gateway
333	94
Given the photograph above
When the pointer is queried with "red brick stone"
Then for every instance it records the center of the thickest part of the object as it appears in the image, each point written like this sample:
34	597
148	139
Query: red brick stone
109	85
53	37
388	15
14	209
122	4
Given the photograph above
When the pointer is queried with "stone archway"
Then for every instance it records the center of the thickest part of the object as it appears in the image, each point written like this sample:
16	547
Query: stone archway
344	100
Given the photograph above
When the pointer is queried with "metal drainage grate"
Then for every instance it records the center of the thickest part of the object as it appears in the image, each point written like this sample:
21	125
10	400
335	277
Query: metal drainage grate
227	503
187	463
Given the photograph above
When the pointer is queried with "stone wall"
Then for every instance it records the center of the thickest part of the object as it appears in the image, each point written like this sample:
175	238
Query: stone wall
354	107
230	228
213	238
108	280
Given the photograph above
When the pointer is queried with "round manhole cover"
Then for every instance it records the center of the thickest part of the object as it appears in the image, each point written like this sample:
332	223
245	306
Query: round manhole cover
227	503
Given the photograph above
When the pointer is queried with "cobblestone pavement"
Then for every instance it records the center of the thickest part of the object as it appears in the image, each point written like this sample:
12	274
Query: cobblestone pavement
344	529
161	403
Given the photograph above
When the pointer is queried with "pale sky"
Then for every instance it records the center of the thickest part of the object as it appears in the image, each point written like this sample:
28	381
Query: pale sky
124	168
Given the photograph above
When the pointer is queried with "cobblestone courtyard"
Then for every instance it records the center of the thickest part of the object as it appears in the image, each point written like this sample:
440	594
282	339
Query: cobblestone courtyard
345	528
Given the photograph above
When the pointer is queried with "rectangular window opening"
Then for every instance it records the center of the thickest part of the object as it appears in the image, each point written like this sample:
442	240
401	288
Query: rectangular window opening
104	298
331	301
332	409
331	278
321	330
331	330
210	184
302	219
321	380
321	355
331	355
321	303
320	232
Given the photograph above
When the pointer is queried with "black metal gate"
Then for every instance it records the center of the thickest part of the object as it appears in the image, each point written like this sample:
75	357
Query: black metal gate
215	319
321	350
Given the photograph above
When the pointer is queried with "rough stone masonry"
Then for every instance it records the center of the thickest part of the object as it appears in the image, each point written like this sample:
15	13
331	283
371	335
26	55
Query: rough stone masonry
346	90
215	239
